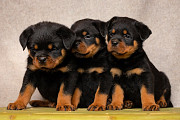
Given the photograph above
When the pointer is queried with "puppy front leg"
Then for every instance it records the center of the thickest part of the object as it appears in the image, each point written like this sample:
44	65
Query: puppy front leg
148	101
76	97
25	94
65	93
147	93
64	100
77	92
118	92
102	92
117	98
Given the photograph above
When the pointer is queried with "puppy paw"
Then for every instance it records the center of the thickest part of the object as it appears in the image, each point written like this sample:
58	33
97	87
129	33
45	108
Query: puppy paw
94	107
39	103
128	104
115	106
75	107
65	108
34	103
16	106
162	103
151	107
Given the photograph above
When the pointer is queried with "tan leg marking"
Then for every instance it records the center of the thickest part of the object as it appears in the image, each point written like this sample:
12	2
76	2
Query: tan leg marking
99	103
23	99
162	101
148	102
64	101
117	99
76	97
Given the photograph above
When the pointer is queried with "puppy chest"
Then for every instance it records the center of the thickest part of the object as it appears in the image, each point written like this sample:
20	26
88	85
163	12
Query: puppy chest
48	85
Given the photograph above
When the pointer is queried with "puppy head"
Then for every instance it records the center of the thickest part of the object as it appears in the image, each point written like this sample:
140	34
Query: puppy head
89	37
125	36
47	43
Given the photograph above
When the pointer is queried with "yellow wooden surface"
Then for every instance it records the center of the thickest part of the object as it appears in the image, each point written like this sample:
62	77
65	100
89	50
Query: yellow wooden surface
83	114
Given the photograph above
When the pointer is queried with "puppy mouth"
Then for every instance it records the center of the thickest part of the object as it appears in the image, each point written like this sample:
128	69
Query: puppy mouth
115	52
80	54
44	68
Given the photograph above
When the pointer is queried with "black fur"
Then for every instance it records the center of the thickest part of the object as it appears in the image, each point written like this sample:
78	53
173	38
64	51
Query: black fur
156	82
89	82
48	80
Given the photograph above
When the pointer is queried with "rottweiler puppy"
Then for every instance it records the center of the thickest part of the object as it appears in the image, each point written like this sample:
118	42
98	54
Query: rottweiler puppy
50	68
136	79
94	81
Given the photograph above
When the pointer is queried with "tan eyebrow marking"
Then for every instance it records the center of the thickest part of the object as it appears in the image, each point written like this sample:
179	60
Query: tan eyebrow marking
124	31
50	46
36	46
97	40
84	33
113	31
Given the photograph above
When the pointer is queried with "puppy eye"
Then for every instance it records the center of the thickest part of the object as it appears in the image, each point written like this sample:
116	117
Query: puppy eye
54	48
87	37
111	34
32	48
35	47
127	36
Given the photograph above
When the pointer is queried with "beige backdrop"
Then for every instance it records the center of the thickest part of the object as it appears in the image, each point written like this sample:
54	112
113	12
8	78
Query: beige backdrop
162	17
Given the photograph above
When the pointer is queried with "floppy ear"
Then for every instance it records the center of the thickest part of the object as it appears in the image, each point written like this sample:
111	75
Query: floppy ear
108	23
142	30
24	37
100	26
67	36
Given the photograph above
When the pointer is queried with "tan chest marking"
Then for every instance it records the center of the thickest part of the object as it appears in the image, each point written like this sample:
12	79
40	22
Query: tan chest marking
80	70
137	71
115	71
96	69
64	69
91	70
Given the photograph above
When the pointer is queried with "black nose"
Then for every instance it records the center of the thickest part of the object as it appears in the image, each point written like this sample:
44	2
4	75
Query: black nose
42	59
114	42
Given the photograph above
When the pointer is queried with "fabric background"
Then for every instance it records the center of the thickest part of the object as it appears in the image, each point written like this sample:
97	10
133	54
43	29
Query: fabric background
162	47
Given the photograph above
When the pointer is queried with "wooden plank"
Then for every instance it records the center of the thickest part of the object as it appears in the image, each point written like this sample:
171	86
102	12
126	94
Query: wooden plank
83	114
